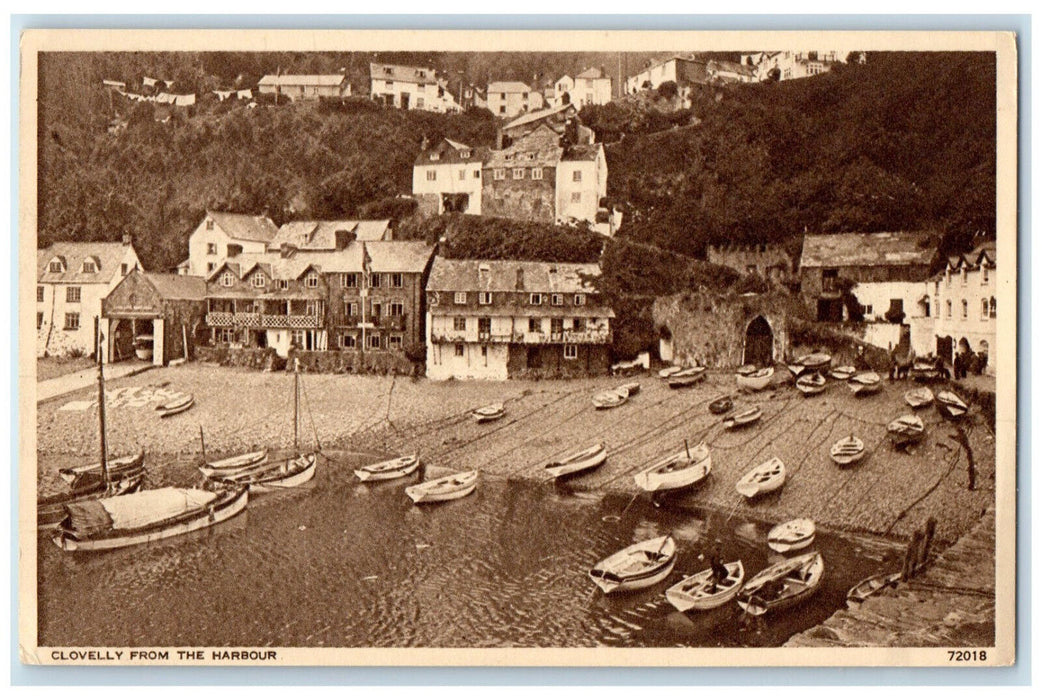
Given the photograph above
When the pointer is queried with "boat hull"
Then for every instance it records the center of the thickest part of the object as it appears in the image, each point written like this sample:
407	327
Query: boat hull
234	465
754	382
846	452
689	594
433	492
653	480
605	572
635	584
792	535
168	410
90	472
742	420
286	482
751	602
373	472
443	496
577	466
750	487
51	511
228	508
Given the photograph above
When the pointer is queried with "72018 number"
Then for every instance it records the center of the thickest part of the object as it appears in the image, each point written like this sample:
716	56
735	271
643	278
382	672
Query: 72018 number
967	655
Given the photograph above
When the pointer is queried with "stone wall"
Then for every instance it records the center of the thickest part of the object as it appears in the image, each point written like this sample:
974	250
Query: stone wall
591	360
324	362
525	199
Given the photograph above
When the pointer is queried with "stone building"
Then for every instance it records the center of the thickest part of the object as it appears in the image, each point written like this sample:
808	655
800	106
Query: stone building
496	319
685	71
509	98
305	87
772	262
447	177
560	119
410	87
222	234
590	87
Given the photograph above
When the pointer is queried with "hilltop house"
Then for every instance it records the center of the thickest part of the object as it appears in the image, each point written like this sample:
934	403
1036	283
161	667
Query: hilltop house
72	278
305	87
682	70
447	177
220	235
791	65
511	98
543	177
560	119
590	87
496	319
410	87
726	72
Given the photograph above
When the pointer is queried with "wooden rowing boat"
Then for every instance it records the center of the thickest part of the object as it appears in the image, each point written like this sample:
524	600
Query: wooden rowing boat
50	510
611	398
763	478
88	477
235	464
631	388
389	469
669	371
145	516
782	585
950	406
176	405
843	372
815	361
791	535
847	451
275	475
640	565
746	370
810	384
743	418
488	413
919	397
721	405
868	587
578	462
700	592
447	488
865	383
686	377
906	430
755	381
681	470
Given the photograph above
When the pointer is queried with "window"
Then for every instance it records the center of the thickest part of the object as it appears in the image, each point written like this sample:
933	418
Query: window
993	310
72	321
209	224
89	267
948	308
519	173
937	305
300	339
72	295
39	294
397	279
55	266
866	310
497	174
577	197
258	280
965	309
459	323
485	298
557	299
535	325
39	319
537	173
828	279
389	84
571	352
577	176
462	174
459	298
348	340
394	342
419	103
984	308
377	308
983	275
311	281
464	154
502	109
352	308
123	270
349	280
211	249
530	156
477	174
227	279
458	351
535	299
579	324
210	267
432	175
580	300
964	277
373	341
282	285
947	278
396	308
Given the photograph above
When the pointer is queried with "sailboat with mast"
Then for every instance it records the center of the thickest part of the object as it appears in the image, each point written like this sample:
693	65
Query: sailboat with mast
105	478
281	473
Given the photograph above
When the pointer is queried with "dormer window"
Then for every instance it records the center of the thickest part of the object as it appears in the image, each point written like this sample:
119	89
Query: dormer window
435	156
282	284
227	279
535	299
557	299
983	275
464	154
56	265
90	266
311	281
580	299
258	280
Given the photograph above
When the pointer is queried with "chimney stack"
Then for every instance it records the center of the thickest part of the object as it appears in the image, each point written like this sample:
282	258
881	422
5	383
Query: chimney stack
126	239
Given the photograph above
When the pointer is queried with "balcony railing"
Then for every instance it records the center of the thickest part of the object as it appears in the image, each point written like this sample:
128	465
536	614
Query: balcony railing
227	319
593	336
596	336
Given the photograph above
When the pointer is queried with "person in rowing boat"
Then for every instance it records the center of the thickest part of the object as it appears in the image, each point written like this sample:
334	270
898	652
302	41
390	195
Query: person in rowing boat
719	571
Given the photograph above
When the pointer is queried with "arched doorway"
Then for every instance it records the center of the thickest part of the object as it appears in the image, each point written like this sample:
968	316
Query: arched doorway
759	343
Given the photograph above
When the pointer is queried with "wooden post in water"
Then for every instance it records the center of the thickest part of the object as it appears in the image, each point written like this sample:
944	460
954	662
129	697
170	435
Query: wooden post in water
202	442
911	556
931	528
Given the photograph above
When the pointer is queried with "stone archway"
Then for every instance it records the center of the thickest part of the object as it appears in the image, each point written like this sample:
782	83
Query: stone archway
759	343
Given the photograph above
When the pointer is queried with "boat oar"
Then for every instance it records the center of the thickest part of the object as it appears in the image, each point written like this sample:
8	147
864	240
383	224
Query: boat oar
617	518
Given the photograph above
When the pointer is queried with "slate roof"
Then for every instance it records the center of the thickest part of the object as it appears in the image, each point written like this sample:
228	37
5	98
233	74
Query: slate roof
582	152
321	235
184	287
245	227
537	115
868	249
330	80
107	255
401	74
508	86
398	256
982	254
449	152
537	149
501	276
591	73
385	256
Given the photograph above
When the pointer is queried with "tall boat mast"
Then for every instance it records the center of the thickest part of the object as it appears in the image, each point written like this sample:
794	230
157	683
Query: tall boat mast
101	409
296	400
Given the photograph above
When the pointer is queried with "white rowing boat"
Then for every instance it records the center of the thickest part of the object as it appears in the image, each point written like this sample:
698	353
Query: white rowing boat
810	384
764	478
390	469
919	397
865	383
701	592
669	371
906	430
843	372
275	475
791	535
447	488
782	585
176	405
848	450
950	406
681	470
235	464
611	398
742	418
638	566
488	413
686	377
581	461
871	586
631	388
755	381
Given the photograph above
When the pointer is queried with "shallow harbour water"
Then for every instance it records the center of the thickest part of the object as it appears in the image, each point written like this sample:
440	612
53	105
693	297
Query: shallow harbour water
343	564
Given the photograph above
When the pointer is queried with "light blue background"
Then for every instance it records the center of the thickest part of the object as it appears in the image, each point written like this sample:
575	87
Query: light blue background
1017	675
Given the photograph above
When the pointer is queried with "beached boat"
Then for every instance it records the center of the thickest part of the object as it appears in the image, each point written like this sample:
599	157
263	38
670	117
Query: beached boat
611	398
746	370
143	345
791	535
235	464
275	475
755	381
178	404
88	478
873	585
631	388
843	372
578	462
638	566
686	377
810	384
919	397
447	488
928	371
145	516
50	510
906	430
743	418
865	383
669	371
699	592
488	413
782	585
847	451
682	470
950	406
762	479
389	469
815	361
721	405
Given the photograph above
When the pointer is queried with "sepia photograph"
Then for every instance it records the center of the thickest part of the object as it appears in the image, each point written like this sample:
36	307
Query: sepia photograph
518	348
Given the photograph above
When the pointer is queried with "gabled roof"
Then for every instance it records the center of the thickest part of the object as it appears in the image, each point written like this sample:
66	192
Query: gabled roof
401	74
321	235
583	152
538	115
450	151
186	287
595	73
398	256
245	227
983	254
107	256
868	249
538	148
508	86
502	276
328	80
